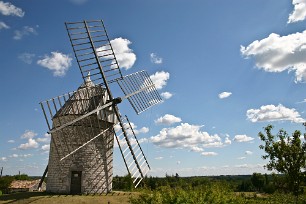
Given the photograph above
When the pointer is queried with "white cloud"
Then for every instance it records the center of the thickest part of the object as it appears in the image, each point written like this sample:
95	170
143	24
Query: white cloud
45	147
21	155
14	155
209	153
11	141
241	158
299	11
186	136
3	25
45	139
28	134
243	138
31	144
155	59
274	113
47	135
168	119
26	57
160	79
3	159
248	152
58	62
158	158
9	9
197	149
124	55
224	95
26	30
279	53
227	141
166	95
134	127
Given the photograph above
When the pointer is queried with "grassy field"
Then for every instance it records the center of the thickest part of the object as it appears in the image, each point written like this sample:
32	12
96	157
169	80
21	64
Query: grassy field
43	198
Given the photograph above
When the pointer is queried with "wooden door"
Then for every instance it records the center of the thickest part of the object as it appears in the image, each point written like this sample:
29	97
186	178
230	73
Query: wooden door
76	182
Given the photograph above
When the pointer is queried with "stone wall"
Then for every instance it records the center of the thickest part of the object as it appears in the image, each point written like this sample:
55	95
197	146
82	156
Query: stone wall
95	159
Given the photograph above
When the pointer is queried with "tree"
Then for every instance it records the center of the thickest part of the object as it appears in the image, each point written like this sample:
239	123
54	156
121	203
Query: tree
286	155
258	181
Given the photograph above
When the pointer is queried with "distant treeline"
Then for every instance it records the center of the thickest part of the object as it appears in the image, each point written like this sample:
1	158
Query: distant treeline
240	183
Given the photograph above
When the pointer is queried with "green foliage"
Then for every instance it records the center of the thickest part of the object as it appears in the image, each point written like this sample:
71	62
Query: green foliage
210	193
246	186
22	177
123	183
5	182
0	193
286	155
258	181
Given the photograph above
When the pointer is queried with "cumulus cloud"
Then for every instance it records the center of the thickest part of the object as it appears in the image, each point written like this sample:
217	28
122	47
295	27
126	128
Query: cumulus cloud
26	30
197	149
243	138
274	113
186	136
21	155
28	134
155	59
45	139
248	152
224	95
58	62
3	159
26	57
45	147
168	119
299	11
124	55
279	53
134	127
8	9
3	25
160	79
166	95
227	141
209	153
31	144
11	141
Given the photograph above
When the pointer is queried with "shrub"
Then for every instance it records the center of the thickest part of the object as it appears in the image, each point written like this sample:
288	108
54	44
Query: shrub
217	193
5	183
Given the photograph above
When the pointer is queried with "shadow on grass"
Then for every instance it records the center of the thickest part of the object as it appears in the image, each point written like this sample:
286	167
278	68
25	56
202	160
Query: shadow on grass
10	198
34	196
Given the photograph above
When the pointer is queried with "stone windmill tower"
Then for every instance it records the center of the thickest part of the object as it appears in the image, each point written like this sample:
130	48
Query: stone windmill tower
84	123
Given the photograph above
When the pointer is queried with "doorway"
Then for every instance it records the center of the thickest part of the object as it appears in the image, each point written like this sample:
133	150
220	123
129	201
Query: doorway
76	182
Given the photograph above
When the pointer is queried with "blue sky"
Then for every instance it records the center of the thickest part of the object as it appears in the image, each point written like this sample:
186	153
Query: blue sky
225	69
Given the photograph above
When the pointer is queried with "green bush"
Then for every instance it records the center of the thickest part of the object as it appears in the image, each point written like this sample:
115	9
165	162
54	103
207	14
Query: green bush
0	193
5	182
217	193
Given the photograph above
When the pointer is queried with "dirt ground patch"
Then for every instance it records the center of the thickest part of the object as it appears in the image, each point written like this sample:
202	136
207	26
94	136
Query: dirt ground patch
44	198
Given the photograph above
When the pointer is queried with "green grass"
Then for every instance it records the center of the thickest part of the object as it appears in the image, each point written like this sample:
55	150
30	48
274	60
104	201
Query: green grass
44	198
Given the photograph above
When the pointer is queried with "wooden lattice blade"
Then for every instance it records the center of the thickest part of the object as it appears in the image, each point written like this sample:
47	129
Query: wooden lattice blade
140	91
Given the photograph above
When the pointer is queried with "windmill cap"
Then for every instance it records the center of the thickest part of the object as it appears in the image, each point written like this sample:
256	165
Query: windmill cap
88	82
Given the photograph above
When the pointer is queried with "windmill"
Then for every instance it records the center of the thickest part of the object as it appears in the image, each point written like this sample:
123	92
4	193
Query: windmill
84	123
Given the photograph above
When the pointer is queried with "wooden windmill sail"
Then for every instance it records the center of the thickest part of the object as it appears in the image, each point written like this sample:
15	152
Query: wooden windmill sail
83	123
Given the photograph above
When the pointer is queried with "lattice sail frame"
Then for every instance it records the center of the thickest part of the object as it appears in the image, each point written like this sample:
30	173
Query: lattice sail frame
97	61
